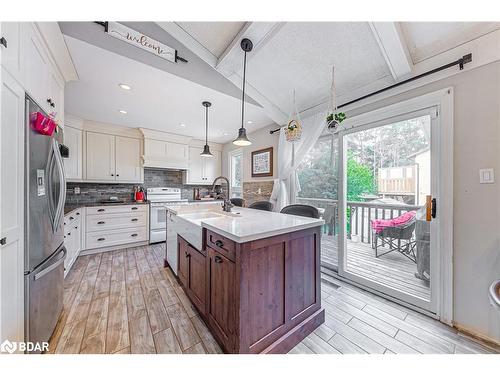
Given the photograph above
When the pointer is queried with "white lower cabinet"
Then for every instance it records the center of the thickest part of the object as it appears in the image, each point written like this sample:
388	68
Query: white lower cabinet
116	225
73	237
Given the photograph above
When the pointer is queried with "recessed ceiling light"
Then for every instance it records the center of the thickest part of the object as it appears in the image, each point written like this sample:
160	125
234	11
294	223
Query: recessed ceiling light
122	111
125	86
182	125
249	122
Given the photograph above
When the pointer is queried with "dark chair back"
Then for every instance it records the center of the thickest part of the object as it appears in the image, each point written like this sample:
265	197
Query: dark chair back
240	202
301	210
262	205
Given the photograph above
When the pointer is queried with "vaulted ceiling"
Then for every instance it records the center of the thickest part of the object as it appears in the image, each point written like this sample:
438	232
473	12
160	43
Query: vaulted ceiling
287	57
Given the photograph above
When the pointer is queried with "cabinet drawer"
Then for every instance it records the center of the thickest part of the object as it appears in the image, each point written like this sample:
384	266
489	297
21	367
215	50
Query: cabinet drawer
221	244
72	217
116	237
117	209
116	221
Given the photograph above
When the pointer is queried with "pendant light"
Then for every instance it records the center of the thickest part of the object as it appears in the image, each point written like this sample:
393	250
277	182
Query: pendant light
242	140
206	149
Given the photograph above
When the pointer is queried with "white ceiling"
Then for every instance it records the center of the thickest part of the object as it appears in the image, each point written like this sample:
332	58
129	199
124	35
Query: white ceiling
300	57
158	100
214	36
428	39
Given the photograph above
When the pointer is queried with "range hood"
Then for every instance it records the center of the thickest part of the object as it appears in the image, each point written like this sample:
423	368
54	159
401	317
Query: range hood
165	150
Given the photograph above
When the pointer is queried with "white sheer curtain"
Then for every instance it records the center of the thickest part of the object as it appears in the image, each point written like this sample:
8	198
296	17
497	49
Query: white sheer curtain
286	186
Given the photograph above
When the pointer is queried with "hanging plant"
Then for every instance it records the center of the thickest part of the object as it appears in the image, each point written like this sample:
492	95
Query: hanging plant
334	118
333	121
293	129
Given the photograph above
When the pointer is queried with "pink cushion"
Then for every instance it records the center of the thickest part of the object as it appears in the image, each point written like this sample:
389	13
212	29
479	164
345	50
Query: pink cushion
378	225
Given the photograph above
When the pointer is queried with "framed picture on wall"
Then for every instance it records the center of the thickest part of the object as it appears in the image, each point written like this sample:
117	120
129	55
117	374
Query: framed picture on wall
262	162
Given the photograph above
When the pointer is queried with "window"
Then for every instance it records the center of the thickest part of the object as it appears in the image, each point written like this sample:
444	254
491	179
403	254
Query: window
236	173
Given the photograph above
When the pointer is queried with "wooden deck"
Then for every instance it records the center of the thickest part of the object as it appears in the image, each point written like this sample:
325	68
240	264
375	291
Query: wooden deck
392	270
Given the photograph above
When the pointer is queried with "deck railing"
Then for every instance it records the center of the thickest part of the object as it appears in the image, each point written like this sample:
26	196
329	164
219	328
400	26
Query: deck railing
359	215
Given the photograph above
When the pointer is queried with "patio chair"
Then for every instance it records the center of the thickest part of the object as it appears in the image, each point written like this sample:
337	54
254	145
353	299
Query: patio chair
240	202
398	238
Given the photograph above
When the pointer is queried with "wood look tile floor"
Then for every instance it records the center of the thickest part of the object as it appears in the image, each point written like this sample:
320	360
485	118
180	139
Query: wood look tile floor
126	302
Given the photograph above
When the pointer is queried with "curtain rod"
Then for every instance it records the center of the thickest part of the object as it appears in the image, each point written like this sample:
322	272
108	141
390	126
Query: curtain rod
460	62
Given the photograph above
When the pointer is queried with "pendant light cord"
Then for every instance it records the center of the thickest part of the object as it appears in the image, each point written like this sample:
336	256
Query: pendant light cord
243	97
206	125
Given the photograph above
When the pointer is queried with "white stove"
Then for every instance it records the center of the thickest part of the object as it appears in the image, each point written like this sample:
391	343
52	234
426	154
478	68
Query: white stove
159	199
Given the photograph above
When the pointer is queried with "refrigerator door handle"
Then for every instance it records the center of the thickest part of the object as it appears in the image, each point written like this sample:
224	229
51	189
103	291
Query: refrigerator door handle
62	184
52	208
46	270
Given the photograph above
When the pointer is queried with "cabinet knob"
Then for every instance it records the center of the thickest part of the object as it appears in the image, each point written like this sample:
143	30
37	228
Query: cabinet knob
218	259
112	174
71	218
76	227
101	239
134	219
117	175
133	235
187	254
100	222
3	241
77	213
3	42
134	208
101	210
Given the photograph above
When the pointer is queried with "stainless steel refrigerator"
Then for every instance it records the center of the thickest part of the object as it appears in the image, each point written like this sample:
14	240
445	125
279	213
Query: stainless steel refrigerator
45	189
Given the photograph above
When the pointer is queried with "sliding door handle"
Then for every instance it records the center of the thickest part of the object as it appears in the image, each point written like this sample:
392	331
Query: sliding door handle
433	208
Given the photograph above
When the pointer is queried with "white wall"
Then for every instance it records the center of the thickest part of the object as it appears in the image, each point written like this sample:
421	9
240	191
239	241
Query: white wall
260	139
476	218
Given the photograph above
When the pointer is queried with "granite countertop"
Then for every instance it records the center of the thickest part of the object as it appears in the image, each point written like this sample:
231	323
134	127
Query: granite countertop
245	224
71	207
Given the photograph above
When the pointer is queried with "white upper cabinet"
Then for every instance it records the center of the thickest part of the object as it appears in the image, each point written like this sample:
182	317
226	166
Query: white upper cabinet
213	166
11	55
165	150
73	139
36	69
56	98
202	170
128	161
111	158
100	152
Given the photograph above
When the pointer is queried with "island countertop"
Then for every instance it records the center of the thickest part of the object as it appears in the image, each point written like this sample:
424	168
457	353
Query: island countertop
244	224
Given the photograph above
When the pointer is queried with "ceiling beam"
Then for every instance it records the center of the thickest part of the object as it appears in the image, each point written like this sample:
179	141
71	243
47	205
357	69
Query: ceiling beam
189	42
393	47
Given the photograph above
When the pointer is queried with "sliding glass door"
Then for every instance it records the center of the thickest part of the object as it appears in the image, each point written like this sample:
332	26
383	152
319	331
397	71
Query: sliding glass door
387	232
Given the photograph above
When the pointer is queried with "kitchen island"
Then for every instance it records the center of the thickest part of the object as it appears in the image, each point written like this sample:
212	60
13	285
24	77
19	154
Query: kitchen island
254	276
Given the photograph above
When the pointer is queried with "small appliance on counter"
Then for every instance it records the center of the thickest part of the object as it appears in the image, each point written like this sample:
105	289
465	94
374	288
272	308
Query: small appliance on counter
139	195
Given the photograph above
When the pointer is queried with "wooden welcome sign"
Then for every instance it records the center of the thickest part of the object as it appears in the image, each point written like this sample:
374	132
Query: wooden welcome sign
141	41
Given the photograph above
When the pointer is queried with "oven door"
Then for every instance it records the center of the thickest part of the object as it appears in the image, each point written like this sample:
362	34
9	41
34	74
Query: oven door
158	218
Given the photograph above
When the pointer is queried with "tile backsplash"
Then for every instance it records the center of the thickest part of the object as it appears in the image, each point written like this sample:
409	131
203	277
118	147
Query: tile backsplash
92	192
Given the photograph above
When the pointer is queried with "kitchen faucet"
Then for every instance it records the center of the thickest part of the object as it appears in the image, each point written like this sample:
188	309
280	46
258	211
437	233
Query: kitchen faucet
227	201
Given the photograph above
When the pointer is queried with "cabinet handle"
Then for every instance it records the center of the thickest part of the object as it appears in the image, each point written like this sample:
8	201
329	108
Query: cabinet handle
219	243
3	241
101	210
76	227
133	235
117	175
69	234
187	254
112	174
134	219
100	222
3	41
71	218
101	239
77	213
134	208
218	259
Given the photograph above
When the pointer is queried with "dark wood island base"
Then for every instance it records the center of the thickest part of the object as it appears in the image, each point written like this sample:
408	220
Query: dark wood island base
262	296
